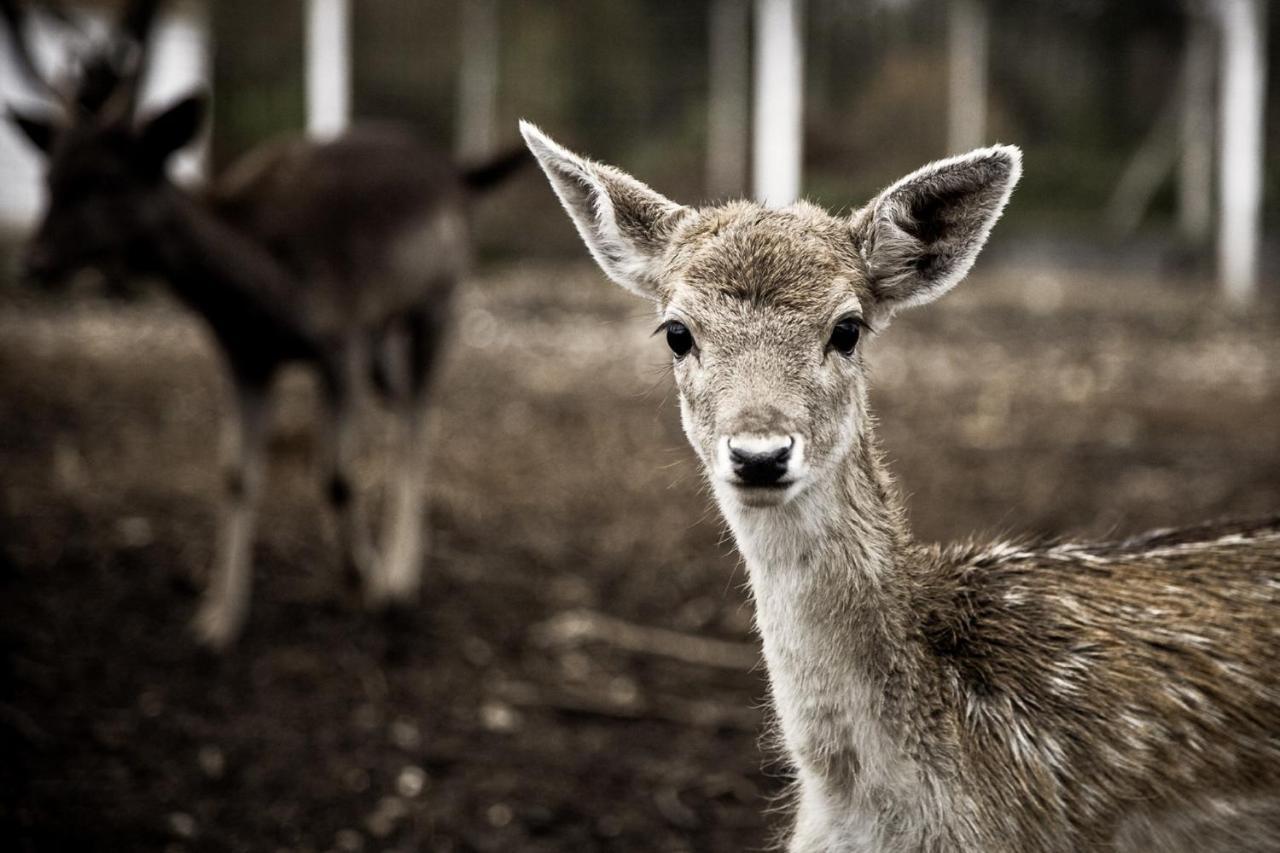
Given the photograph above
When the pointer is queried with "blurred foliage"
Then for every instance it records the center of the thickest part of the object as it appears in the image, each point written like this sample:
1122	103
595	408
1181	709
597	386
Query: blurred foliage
1076	83
257	74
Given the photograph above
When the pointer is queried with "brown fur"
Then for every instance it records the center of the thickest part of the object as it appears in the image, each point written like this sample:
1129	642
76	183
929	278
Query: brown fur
1011	698
342	256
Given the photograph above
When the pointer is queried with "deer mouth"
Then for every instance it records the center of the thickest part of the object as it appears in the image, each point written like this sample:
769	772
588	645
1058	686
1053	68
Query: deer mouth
763	495
778	486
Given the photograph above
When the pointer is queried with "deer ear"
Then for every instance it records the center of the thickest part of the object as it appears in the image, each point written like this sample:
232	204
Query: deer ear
921	235
626	226
175	127
40	132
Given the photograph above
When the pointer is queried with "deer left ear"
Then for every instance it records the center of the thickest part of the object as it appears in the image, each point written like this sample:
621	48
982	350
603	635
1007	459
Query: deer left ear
172	129
920	236
39	131
627	226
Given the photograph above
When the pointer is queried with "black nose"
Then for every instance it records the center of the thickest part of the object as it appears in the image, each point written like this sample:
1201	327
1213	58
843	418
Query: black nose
760	467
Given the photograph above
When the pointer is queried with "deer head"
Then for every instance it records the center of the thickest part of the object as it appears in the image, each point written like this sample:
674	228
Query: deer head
105	171
767	312
107	185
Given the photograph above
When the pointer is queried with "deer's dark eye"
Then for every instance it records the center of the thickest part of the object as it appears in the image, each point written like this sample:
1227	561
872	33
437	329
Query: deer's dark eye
844	337
679	338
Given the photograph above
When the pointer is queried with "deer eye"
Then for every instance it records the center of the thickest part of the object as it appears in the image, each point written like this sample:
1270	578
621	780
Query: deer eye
844	337
679	338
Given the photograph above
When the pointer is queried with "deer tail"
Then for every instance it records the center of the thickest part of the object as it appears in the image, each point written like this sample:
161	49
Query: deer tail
484	176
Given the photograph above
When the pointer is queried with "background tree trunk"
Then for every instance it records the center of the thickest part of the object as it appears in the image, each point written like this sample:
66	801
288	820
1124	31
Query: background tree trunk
1195	165
779	102
727	109
967	31
1242	88
328	67
478	80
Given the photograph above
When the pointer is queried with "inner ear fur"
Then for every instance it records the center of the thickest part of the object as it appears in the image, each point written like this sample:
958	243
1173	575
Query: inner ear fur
626	225
921	236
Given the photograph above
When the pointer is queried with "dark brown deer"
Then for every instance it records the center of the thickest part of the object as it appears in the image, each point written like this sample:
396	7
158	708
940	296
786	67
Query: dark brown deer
342	255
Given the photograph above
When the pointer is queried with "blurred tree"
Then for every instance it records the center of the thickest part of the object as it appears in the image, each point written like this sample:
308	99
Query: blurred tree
728	115
257	74
1242	96
328	67
777	155
968	33
1077	83
478	73
1195	163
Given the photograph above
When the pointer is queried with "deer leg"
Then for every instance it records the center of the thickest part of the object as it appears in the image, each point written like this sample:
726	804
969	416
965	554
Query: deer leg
343	389
411	352
402	529
226	600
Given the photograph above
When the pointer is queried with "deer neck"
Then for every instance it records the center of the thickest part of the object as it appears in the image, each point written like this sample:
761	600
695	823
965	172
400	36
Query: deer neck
216	268
831	600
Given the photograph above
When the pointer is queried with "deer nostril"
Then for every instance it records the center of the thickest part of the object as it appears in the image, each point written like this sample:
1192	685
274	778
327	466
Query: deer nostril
760	463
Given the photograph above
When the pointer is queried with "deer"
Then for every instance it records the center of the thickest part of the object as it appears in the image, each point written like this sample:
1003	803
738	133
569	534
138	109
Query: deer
340	255
1016	697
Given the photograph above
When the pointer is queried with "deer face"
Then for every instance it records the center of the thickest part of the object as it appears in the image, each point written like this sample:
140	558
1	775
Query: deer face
767	312
106	186
764	312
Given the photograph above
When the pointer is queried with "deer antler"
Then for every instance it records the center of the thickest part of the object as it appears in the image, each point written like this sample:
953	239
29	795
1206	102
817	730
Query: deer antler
135	27
15	17
111	78
110	75
100	71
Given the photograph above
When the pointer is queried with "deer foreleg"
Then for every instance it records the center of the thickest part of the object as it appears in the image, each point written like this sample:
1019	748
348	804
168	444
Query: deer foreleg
226	600
345	397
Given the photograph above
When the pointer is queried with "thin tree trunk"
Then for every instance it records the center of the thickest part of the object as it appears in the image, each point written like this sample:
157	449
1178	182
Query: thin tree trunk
727	107
968	28
328	59
478	80
779	102
1195	166
1242	88
1147	170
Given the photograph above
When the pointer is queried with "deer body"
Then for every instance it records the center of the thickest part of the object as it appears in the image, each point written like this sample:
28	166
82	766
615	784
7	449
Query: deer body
1046	698
298	250
374	204
340	255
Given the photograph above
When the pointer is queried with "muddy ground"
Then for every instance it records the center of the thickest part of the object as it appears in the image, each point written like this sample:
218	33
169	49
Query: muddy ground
508	712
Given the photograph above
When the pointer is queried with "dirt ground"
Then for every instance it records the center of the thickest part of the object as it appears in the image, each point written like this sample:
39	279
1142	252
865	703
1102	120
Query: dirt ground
527	704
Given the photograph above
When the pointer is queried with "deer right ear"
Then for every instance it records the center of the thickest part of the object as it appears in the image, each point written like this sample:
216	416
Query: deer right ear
626	226
40	132
921	235
172	128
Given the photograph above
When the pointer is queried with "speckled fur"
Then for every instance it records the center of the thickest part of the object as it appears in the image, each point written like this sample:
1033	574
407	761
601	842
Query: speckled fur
1020	697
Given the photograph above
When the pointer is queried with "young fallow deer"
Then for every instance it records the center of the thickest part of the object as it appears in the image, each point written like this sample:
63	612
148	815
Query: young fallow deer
990	699
342	255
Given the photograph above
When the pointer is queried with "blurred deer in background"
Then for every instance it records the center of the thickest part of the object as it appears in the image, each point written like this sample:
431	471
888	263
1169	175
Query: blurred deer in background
342	255
1023	698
